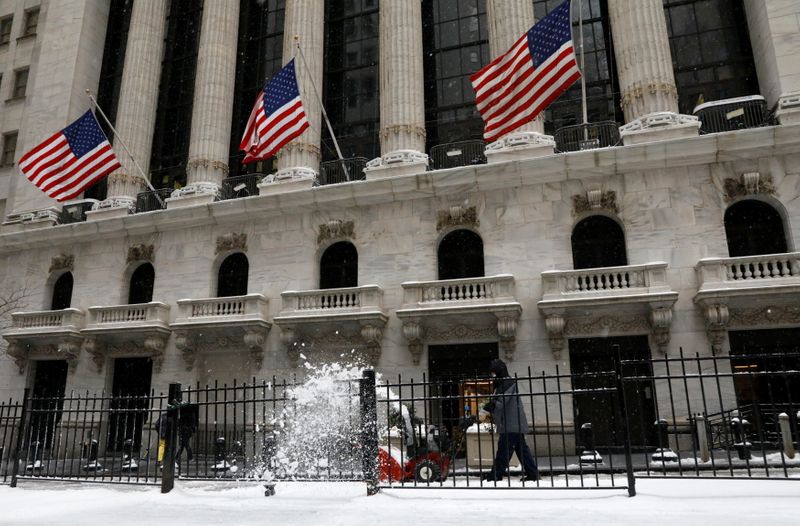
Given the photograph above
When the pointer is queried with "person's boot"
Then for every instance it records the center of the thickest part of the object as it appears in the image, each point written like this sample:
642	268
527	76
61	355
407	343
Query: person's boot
530	477
491	477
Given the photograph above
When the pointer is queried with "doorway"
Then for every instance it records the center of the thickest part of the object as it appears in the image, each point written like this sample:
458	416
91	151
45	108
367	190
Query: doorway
763	362
49	383
593	362
130	400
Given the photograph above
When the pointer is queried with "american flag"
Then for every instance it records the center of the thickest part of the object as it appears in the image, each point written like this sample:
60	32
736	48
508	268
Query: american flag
70	161
277	117
516	86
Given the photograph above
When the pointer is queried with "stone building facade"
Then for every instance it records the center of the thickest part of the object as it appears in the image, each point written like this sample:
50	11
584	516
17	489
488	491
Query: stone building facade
540	256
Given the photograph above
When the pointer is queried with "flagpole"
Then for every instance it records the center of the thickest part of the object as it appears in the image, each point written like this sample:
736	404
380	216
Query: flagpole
125	146
324	113
583	74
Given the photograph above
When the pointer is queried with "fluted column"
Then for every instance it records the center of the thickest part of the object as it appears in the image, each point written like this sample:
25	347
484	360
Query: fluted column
402	91
508	20
138	99
644	67
209	143
304	19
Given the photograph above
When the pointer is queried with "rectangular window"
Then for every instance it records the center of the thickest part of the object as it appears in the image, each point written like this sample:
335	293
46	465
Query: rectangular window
20	83
9	149
5	29
31	22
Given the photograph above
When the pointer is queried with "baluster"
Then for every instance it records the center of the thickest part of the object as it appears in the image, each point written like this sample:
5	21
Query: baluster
737	271
747	272
759	269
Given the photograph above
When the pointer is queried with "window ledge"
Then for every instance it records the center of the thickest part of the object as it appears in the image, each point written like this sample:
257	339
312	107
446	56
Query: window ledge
15	99
26	37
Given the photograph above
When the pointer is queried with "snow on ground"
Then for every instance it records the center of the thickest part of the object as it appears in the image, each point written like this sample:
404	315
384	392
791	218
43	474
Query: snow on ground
684	502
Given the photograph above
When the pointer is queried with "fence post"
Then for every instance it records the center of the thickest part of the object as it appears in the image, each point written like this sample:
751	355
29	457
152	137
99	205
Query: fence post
20	434
786	435
702	438
625	432
369	431
168	465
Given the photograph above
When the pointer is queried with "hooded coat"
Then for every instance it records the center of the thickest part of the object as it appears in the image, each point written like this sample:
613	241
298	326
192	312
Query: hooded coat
505	405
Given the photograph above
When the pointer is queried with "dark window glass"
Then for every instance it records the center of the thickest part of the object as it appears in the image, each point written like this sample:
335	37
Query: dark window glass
20	83
461	255
176	94
232	278
753	227
259	57
350	91
9	149
602	87
119	19
338	266
141	287
711	53
49	383
130	390
5	29
598	241
456	45
62	292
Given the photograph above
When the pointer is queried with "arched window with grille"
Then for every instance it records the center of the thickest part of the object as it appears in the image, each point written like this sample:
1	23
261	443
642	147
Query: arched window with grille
598	241
753	227
338	266
141	285
461	255
232	277
62	292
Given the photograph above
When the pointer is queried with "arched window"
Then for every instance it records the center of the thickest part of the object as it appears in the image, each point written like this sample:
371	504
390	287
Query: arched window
598	241
753	227
62	292
141	286
338	266
461	255
232	278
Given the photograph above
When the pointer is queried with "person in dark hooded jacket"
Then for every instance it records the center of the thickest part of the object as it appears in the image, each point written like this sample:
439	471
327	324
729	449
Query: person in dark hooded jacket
511	424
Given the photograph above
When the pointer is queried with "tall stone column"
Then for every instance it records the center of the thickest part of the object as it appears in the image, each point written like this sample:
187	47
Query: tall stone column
136	110
209	143
646	79
774	34
304	19
508	20
402	91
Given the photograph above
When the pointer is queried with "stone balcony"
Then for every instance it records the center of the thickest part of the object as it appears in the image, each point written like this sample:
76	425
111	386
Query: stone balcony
209	324
127	330
627	299
333	319
465	310
45	335
748	292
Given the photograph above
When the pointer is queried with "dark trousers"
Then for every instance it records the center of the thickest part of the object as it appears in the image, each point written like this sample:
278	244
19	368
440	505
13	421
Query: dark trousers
507	445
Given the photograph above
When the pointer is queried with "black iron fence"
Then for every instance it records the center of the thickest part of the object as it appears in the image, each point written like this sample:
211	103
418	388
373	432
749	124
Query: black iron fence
240	186
152	200
587	136
342	171
675	416
733	114
454	154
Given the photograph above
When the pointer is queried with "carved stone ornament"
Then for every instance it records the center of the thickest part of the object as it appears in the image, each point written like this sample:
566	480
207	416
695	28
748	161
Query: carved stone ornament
232	242
62	262
151	347
595	200
750	183
309	341
460	332
765	316
413	332
555	325
602	325
717	317
335	229
140	252
457	215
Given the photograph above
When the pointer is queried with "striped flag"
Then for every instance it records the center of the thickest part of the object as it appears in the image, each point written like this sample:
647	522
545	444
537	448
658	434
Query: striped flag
277	117
70	161
516	86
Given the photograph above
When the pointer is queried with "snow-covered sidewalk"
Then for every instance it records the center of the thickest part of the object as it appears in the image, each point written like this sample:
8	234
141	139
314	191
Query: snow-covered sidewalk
684	502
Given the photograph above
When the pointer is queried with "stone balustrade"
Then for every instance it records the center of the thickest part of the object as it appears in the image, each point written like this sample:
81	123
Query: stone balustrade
590	284
249	306
154	312
748	271
48	319
353	299
484	290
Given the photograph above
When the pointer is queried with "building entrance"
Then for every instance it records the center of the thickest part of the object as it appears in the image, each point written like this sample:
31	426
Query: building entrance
593	362
762	396
452	369
49	383
130	400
